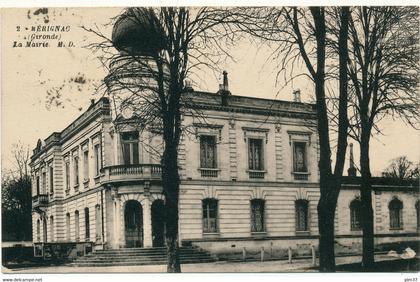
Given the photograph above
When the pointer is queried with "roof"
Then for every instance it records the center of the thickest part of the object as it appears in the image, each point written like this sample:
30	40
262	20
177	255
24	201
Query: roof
194	99
383	183
244	104
101	107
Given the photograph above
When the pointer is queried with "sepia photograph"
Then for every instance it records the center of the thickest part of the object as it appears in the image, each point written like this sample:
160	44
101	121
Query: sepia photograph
210	139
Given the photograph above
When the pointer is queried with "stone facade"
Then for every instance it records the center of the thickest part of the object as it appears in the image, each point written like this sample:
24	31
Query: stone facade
91	184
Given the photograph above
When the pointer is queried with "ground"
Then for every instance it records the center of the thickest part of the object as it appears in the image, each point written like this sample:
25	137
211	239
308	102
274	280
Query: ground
345	264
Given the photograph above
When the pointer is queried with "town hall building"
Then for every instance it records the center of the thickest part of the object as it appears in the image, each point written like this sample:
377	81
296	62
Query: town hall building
249	178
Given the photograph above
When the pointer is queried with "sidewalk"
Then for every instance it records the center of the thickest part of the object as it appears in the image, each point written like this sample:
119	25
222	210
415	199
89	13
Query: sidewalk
223	266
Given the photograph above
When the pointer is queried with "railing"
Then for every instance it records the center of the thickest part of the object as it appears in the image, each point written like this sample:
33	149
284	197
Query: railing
301	176
62	250
40	200
131	172
209	172
259	174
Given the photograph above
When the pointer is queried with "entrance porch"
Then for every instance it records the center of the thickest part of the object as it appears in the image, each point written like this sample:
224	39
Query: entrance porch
138	221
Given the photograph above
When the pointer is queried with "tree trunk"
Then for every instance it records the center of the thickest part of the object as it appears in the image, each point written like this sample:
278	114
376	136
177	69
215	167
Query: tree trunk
326	207
170	182
368	258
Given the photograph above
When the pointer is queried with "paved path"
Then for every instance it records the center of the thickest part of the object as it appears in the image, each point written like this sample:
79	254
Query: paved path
268	266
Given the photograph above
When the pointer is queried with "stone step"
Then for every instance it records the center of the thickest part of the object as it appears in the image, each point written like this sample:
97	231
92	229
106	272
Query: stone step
140	256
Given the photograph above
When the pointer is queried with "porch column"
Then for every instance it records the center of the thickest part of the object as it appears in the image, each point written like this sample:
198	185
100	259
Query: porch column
121	224
118	227
147	224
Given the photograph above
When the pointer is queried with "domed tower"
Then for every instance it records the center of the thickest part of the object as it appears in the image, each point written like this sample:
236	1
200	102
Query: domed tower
138	37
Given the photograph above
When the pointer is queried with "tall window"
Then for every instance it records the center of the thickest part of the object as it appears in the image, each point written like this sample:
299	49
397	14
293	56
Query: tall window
76	225
257	215
301	207
51	180
299	157
37	186
76	170
355	214
98	221
68	226
97	152
87	224
67	171
38	230
209	215
44	182
52	228
395	214
255	155
130	147
208	157
418	214
85	165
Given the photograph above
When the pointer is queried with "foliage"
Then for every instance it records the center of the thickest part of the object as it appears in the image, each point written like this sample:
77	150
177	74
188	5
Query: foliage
16	195
16	209
402	168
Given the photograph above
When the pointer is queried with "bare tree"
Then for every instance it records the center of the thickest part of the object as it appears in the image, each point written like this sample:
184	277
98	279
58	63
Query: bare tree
164	48
401	168
301	34
383	69
21	158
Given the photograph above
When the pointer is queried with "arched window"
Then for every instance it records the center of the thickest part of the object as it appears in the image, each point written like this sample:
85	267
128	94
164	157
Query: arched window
209	216
68	226
76	225
418	214
301	207
257	215
52	228
395	214
355	214
38	230
87	224
98	220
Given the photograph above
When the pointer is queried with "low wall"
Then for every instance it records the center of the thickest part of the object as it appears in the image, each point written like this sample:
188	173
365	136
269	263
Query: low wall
279	247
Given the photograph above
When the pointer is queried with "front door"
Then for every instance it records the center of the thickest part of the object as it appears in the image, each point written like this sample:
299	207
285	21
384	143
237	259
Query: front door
158	223
133	217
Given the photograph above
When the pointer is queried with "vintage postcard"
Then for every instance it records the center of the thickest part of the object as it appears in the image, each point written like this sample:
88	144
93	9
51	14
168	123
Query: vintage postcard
210	139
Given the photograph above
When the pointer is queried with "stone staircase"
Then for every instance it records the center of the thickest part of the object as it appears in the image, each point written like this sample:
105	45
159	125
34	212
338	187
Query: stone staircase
140	256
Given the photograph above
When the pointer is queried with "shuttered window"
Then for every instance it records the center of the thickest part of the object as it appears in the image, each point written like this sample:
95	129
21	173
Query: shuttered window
301	215
130	147
257	215
355	215
299	157
208	153
209	215
255	154
395	214
87	224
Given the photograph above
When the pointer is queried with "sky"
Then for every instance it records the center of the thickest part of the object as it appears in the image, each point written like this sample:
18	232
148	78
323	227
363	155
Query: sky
28	74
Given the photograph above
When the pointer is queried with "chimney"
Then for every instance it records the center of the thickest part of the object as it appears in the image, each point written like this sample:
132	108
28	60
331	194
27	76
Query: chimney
224	89
296	95
352	169
188	86
225	81
92	103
